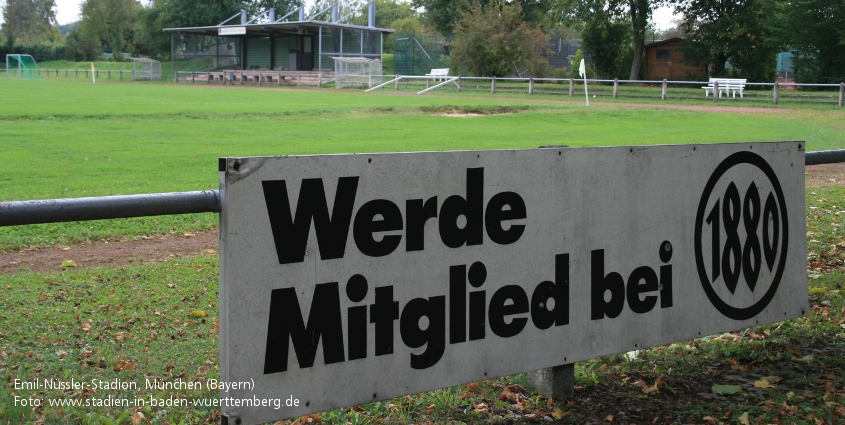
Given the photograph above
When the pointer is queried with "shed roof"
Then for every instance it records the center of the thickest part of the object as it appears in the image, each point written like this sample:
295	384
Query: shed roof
312	26
662	42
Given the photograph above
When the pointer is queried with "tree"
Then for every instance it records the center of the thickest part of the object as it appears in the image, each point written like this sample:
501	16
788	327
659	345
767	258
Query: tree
78	47
389	12
113	22
814	30
27	21
636	12
161	14
607	42
735	32
495	41
442	15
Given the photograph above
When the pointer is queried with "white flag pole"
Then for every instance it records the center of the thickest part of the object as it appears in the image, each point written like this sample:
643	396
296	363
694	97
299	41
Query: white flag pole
583	71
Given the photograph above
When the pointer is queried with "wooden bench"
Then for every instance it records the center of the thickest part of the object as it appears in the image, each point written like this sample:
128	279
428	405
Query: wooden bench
438	73
726	85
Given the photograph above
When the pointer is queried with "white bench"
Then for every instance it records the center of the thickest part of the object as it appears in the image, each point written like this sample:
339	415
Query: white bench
726	85
438	73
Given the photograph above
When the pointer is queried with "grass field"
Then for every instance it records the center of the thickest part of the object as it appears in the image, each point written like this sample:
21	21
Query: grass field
73	139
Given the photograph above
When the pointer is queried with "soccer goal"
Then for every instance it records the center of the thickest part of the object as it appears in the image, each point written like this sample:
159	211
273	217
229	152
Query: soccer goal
357	72
22	66
146	69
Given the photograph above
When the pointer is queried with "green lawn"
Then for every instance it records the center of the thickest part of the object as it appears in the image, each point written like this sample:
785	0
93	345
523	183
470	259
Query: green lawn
74	139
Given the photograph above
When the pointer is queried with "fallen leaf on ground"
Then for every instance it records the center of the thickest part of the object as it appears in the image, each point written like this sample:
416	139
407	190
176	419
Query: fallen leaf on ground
763	383
772	379
138	418
743	419
558	413
68	263
198	313
609	418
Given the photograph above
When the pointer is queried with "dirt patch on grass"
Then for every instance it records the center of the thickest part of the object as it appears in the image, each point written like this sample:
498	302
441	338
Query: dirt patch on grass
152	249
459	115
825	175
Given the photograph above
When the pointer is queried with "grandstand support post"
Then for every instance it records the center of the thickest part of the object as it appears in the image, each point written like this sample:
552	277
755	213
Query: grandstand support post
663	92
460	88
615	88
716	91
775	94
493	85
841	94
571	87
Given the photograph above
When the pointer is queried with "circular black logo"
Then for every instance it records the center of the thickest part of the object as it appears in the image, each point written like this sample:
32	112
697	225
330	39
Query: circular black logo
741	236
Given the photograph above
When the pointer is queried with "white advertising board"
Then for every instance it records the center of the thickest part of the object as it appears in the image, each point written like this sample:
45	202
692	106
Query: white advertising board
231	31
352	278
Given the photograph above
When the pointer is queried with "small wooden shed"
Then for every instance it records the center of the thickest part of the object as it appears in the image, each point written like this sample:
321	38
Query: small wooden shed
665	59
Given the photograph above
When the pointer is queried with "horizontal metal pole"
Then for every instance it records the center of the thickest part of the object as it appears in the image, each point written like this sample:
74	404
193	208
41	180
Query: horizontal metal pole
98	208
125	206
824	157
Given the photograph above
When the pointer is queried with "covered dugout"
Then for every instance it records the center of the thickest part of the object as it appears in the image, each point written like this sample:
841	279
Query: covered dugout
267	45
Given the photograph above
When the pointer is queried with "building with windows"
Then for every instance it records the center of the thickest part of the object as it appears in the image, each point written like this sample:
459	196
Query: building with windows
269	49
665	60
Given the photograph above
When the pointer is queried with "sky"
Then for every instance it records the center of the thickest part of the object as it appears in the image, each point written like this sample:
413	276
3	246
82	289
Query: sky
67	11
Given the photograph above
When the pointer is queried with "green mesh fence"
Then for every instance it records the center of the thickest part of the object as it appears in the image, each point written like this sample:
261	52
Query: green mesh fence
418	54
22	66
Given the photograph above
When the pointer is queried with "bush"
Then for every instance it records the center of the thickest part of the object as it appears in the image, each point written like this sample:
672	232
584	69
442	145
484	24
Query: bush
41	52
496	42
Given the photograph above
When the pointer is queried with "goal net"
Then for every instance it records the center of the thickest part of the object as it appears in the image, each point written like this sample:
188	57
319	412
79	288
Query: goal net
357	72
22	66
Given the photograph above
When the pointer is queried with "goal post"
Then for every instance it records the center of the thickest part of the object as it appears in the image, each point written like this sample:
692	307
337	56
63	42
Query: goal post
23	66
